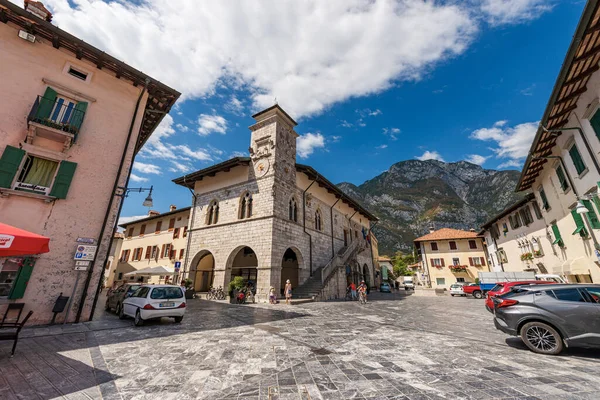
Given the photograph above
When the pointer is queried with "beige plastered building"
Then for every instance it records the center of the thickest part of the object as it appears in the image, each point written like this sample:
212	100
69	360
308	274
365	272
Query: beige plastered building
449	256
159	240
268	219
71	121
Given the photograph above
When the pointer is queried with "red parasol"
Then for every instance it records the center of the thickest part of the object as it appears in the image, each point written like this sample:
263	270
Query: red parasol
18	242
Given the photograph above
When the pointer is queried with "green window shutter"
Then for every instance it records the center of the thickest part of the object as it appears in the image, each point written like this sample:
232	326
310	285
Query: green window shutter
564	185
580	224
9	165
595	122
592	217
78	114
557	237
545	203
63	179
576	158
46	104
18	289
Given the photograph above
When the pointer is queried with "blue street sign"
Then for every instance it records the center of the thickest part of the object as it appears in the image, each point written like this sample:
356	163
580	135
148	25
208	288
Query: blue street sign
177	266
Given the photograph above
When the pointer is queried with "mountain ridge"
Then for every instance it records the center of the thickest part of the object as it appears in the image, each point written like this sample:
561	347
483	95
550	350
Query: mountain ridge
412	195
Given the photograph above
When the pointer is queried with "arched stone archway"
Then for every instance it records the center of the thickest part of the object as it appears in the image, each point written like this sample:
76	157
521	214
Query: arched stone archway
243	262
366	275
290	268
202	271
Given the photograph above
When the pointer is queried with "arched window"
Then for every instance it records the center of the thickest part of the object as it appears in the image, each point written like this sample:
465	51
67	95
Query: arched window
212	214
293	210
245	206
318	220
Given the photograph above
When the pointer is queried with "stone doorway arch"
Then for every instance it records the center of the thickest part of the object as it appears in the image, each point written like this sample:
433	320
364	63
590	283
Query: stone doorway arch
366	275
202	271
243	262
290	268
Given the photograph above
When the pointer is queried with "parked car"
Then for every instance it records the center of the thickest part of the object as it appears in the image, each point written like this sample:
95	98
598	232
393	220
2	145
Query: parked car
550	317
385	288
115	297
408	283
473	289
456	289
505	287
153	302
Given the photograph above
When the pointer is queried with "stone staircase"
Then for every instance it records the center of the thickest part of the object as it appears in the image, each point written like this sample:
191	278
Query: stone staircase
313	286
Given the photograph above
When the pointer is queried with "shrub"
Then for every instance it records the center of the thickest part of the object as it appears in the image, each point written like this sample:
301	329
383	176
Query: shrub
237	283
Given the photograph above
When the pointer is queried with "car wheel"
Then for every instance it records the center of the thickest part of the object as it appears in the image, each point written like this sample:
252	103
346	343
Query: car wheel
477	295
119	311
106	306
541	338
178	319
138	321
452	295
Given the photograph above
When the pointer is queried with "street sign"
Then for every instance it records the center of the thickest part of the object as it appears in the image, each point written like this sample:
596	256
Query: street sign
81	268
86	240
177	266
85	253
82	263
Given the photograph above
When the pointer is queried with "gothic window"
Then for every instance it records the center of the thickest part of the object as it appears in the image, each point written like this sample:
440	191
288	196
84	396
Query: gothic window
245	206
212	214
293	210
318	221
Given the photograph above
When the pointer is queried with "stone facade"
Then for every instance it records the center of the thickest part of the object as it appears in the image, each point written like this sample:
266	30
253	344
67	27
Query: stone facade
292	209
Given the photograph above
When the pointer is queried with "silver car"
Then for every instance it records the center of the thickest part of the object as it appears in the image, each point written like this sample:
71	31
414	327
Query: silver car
550	317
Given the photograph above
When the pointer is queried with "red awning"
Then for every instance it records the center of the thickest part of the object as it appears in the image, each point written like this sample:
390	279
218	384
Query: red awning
18	242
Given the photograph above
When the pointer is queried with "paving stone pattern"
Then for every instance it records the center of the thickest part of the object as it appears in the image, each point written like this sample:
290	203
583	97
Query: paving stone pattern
395	347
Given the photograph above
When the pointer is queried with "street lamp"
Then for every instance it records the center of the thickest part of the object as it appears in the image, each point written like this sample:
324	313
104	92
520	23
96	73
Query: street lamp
581	208
147	202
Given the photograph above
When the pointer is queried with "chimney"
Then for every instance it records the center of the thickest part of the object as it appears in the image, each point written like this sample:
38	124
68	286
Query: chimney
471	230
431	229
37	8
172	208
153	213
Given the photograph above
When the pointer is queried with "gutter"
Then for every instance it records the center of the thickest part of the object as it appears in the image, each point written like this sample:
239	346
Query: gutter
106	216
304	225
588	13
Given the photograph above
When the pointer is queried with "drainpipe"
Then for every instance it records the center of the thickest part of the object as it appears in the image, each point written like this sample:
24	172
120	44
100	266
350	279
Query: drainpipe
585	141
105	222
499	261
304	224
331	220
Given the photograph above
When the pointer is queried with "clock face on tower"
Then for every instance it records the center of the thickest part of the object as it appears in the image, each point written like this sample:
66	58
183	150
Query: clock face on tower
261	167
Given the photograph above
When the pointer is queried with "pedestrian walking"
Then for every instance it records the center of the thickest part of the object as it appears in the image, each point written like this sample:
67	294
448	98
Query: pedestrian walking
288	291
353	290
272	296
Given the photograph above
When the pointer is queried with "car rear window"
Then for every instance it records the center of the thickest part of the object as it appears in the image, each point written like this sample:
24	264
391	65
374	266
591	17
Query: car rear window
496	288
166	293
133	288
568	295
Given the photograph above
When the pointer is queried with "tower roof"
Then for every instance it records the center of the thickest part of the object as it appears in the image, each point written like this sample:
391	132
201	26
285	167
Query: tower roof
264	114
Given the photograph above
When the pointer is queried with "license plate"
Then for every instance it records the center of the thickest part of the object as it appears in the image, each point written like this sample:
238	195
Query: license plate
166	304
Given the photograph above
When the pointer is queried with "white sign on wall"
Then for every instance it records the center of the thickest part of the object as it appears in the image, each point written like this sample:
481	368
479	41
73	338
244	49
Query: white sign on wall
85	253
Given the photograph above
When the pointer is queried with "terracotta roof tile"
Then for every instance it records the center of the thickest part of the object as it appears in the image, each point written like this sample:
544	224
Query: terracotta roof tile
446	234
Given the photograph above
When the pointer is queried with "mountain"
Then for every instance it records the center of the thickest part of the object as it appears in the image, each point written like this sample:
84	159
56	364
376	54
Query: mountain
414	195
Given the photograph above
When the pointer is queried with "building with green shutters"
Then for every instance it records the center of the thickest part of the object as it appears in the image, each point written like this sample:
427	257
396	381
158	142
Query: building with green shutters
71	121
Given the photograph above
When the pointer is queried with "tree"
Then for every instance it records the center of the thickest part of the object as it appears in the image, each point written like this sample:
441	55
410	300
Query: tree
401	262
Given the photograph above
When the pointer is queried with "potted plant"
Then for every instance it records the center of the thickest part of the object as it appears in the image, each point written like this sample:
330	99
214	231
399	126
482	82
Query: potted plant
236	284
190	293
458	268
526	256
538	253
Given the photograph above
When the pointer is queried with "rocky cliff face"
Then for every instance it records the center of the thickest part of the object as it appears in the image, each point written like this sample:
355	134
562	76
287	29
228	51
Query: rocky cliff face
413	195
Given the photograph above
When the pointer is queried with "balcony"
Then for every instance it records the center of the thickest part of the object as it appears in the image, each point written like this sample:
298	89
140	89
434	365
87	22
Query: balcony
57	119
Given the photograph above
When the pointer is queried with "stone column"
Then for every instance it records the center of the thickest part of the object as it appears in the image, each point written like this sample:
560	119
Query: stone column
264	281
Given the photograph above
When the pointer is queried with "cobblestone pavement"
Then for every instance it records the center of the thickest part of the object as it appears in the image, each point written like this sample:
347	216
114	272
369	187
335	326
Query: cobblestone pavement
395	347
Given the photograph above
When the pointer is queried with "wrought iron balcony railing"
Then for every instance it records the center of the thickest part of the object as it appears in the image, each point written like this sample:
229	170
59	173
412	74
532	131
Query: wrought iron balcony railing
59	113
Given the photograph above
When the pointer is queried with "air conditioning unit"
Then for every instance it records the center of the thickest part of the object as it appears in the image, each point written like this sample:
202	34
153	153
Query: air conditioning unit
27	36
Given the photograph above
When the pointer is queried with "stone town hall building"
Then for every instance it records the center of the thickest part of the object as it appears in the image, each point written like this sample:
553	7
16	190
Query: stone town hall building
268	219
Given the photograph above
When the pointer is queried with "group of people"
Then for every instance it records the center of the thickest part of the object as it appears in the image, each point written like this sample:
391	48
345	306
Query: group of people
355	291
287	291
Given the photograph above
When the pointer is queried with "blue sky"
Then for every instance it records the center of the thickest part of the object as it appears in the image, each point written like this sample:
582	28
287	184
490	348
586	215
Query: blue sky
370	83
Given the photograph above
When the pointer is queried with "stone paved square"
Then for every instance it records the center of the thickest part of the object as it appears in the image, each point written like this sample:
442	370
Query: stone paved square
395	347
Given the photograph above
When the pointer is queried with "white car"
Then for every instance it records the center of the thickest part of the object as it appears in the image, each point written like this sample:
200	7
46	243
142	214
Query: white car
153	302
456	289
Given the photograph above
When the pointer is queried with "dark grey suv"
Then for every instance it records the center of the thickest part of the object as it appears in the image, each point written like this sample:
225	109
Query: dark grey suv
549	317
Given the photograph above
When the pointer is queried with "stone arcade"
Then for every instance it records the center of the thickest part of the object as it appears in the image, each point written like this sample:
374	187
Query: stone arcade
268	219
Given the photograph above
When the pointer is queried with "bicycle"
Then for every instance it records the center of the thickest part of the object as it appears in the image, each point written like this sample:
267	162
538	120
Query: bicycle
220	294
362	298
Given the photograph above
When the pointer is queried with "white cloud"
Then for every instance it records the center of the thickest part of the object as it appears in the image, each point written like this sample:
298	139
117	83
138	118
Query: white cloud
238	154
137	178
367	112
179	167
335	139
392	132
383	146
182	128
276	49
512	143
124	220
208	124
146	168
499	12
476	159
235	106
430	155
346	124
307	143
